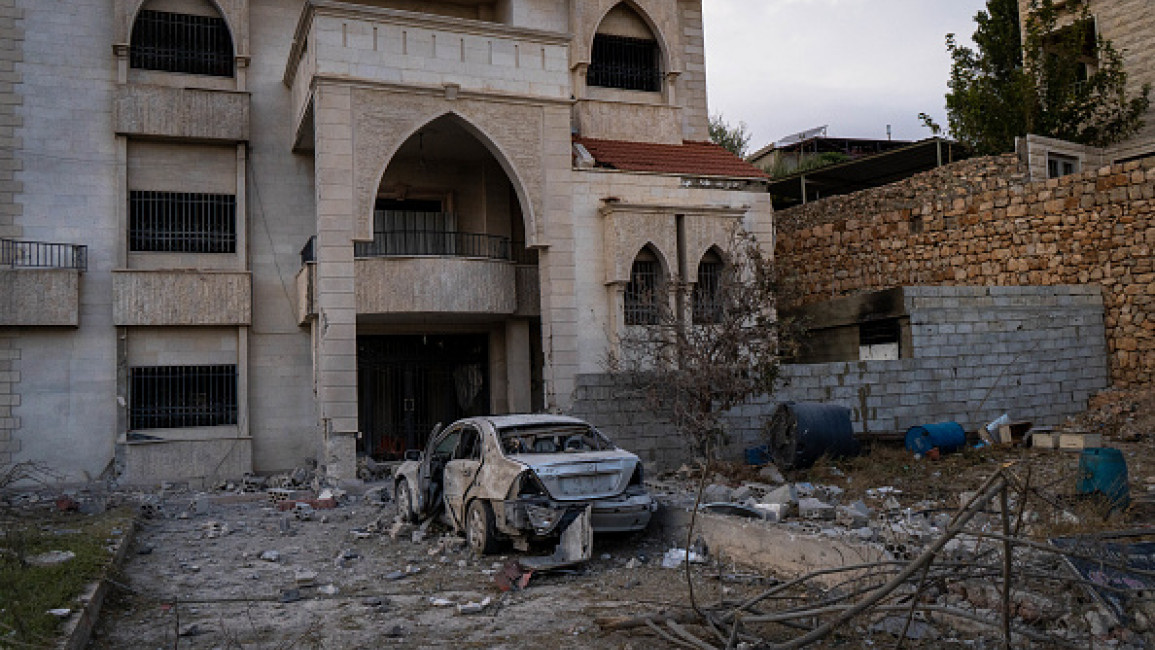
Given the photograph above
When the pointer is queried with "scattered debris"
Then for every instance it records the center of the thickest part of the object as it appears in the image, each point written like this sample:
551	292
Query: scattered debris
51	558
513	576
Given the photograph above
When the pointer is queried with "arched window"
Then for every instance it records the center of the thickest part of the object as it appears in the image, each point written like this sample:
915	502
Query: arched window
625	53
643	292
707	292
191	43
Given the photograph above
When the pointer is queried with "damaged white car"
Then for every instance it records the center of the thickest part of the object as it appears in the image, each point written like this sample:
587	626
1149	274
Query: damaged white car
525	478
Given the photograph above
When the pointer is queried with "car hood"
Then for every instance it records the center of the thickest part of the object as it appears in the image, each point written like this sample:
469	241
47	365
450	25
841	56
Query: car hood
587	475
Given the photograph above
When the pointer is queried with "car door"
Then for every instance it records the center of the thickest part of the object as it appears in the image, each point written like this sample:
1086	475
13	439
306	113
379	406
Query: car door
461	472
432	473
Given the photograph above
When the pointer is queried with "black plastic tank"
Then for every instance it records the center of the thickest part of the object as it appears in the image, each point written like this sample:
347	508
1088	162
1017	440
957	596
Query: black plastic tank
801	433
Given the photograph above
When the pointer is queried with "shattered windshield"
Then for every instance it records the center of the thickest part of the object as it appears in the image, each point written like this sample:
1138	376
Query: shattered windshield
553	439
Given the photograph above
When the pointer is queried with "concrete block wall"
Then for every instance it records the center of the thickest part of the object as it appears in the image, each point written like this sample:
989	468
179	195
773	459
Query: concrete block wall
1036	353
625	418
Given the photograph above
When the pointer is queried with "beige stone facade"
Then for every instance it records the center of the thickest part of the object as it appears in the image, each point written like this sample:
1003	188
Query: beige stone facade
355	219
1130	26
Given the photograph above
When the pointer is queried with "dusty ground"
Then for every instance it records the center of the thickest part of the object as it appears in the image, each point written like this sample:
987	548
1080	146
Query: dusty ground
216	592
195	577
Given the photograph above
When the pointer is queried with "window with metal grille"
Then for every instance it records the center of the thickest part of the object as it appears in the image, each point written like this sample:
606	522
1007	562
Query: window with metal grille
642	293
878	332
172	397
625	62
182	222
707	292
181	43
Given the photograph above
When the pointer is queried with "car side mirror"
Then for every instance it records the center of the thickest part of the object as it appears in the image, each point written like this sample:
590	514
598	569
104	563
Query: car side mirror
414	455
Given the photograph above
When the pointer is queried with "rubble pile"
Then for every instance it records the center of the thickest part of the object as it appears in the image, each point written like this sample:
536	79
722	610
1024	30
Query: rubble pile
944	571
1120	414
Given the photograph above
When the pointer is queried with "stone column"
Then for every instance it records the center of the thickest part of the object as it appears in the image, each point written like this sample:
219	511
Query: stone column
336	341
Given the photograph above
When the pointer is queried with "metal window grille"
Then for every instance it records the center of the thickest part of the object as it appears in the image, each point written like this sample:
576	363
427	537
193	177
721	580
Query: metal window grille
182	43
624	62
402	233
182	222
171	397
878	332
707	298
46	255
641	297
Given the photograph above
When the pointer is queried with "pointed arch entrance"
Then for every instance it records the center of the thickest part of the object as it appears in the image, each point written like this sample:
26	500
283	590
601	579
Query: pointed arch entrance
441	329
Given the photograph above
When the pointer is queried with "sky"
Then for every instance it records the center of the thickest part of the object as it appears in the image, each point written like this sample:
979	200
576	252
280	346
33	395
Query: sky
784	66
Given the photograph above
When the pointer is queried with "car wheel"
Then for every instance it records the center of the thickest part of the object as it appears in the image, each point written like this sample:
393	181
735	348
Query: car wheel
479	527
405	502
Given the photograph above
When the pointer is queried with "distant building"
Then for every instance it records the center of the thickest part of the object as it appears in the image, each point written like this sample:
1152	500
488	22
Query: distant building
809	148
1130	26
235	234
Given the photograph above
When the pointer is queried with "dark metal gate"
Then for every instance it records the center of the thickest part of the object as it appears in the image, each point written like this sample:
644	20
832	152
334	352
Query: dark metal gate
407	384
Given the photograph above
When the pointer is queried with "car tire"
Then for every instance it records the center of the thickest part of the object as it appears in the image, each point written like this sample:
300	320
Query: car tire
405	502
479	527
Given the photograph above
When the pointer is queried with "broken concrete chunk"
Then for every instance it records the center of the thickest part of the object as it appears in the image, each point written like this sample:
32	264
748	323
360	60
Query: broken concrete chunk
474	608
855	515
811	508
271	556
378	495
772	512
785	495
717	493
441	602
328	590
305	577
675	557
771	473
742	493
51	558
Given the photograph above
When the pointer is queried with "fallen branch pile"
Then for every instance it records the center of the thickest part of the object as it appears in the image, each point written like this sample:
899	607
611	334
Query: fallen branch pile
983	549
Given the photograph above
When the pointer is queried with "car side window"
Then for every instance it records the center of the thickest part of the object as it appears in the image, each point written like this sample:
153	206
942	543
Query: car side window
445	446
470	447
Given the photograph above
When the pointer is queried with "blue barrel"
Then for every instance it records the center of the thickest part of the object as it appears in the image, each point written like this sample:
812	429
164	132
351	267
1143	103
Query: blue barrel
757	455
947	436
1103	470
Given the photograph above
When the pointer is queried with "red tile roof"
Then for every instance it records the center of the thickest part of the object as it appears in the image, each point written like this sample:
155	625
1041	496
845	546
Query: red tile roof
698	158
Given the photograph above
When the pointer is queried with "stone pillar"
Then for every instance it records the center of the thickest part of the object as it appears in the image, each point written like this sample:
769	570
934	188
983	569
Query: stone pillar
336	341
518	366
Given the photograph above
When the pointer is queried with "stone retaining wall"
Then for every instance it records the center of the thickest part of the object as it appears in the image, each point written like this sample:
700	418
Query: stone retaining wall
979	222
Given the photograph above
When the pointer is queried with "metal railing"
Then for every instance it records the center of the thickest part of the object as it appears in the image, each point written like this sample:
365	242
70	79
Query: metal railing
43	255
173	397
308	251
624	62
182	222
439	243
174	42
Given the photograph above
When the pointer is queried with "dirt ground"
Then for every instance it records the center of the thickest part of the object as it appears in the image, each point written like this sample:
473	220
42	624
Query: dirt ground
195	577
188	583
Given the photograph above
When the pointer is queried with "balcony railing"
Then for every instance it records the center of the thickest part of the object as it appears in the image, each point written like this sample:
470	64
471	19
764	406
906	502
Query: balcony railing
438	243
42	255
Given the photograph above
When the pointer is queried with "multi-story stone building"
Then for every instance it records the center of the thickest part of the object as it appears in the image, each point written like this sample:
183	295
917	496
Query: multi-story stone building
241	233
1130	26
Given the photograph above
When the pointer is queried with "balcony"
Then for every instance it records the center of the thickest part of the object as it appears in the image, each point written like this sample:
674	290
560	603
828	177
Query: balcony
181	297
347	41
433	272
161	111
40	283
